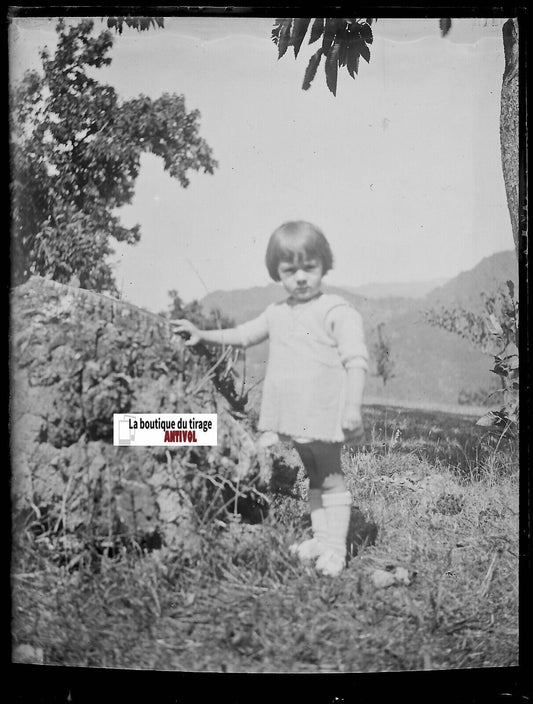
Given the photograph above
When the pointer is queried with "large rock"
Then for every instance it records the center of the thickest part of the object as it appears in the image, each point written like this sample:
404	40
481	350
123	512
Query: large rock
77	357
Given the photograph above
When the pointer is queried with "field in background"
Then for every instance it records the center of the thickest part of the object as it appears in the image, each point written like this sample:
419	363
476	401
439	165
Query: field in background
438	436
444	495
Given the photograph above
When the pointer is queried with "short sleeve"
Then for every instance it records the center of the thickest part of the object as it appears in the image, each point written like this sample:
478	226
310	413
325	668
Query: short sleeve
346	327
253	331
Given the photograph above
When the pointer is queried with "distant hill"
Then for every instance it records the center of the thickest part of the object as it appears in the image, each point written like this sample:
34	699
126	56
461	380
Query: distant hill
413	289
243	304
486	277
431	365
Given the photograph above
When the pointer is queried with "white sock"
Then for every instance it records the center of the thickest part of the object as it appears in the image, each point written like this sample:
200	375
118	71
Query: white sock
319	524
337	507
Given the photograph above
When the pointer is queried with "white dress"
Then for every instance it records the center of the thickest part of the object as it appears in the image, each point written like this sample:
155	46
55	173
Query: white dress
312	345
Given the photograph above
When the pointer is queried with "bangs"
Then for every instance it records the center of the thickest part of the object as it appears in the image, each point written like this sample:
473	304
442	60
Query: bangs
295	252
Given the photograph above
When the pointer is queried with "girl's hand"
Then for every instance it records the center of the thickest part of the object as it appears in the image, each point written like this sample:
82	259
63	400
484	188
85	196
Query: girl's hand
352	425
185	327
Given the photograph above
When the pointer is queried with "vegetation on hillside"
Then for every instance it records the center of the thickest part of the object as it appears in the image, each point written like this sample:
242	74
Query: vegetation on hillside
495	332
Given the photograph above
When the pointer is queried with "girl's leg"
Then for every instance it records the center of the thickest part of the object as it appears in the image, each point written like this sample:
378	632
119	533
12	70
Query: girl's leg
327	470
310	549
314	499
336	500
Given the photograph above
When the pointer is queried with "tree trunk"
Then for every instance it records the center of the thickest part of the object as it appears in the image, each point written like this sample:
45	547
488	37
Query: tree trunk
509	116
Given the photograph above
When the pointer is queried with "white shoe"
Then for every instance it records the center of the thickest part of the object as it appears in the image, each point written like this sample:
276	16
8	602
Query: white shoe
330	563
308	550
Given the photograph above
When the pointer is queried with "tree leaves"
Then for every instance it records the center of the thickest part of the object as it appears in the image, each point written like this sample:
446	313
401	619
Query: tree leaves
316	30
311	70
76	151
445	25
352	59
298	34
366	33
281	34
341	40
344	41
332	59
364	51
141	24
330	29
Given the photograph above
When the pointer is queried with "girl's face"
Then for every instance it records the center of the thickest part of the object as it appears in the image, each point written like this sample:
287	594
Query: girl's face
301	278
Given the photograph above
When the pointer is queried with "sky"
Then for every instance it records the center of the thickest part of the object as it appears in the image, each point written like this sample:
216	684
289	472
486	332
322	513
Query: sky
401	170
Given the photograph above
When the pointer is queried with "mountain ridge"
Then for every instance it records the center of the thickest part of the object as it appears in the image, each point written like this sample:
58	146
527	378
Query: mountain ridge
397	289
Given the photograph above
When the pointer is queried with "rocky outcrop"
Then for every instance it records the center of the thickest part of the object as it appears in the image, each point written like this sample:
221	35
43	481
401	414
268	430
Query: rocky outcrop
77	357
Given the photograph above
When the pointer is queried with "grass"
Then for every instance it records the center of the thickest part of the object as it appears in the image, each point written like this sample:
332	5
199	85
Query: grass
439	437
241	603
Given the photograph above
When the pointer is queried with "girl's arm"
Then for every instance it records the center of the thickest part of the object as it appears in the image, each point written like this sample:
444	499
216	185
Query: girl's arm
355	386
352	421
229	336
346	326
245	335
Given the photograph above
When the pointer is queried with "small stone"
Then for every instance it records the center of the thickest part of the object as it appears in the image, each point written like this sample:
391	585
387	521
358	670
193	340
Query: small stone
401	575
382	579
25	653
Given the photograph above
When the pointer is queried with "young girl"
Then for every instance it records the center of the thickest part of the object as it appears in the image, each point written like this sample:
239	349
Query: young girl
314	381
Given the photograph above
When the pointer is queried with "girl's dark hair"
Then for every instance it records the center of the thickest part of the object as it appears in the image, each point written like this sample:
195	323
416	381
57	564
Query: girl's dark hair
295	241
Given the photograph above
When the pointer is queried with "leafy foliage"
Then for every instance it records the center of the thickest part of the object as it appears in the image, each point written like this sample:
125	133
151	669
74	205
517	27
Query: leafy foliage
141	24
194	312
222	364
75	149
344	41
445	24
85	357
496	333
